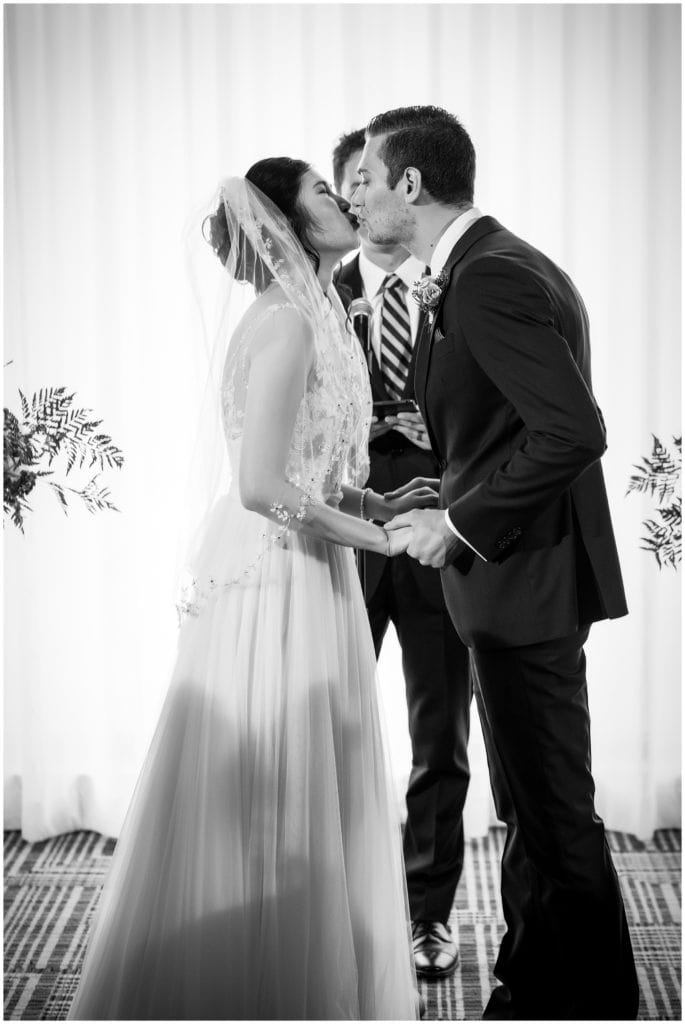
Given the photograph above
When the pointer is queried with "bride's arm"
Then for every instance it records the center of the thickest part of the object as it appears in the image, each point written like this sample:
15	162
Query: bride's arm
281	355
421	492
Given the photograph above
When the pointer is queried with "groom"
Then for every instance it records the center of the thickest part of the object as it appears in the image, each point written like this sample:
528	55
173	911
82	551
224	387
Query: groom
526	547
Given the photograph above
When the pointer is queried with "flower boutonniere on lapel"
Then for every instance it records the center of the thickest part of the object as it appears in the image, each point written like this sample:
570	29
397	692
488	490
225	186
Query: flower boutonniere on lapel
427	293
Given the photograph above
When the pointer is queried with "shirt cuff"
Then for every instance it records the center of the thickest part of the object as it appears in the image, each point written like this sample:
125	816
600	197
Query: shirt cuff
456	533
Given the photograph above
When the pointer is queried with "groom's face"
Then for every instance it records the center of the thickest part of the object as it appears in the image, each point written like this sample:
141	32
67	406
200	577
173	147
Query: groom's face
382	210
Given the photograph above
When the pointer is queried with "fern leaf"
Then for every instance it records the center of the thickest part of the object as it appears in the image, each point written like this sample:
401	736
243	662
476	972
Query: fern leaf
59	491
25	407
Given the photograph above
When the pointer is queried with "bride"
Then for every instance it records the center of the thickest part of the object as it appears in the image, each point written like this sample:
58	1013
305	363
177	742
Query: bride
259	870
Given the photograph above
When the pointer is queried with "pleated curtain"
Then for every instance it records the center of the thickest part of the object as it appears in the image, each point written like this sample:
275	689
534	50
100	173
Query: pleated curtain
119	120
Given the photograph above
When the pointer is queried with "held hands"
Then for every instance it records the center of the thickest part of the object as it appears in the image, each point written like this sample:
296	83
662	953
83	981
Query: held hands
431	541
398	542
419	493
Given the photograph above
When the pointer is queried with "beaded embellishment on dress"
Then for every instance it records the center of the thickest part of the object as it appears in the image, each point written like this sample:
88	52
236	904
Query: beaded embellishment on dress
328	445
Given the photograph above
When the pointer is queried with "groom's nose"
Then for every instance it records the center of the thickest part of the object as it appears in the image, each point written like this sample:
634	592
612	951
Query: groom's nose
354	201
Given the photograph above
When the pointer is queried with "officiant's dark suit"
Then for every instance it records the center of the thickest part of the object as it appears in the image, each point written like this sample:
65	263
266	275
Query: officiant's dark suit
436	670
503	382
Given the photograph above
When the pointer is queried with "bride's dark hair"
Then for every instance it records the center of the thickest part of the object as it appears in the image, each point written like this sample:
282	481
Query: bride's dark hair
279	179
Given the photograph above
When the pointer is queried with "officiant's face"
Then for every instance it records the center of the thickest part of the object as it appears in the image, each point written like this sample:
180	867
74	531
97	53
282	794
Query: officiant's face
382	210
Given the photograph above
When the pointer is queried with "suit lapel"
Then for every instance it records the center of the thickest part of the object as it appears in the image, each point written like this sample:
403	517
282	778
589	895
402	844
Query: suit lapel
478	230
350	276
482	227
409	388
421	349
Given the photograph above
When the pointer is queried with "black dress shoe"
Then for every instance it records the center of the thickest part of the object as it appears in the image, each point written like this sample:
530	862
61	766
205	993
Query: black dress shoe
435	951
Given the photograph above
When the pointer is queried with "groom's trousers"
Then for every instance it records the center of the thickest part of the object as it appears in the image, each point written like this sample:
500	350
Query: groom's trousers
566	954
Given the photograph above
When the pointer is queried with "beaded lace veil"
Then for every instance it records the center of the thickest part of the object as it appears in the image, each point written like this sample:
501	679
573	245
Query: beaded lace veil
265	272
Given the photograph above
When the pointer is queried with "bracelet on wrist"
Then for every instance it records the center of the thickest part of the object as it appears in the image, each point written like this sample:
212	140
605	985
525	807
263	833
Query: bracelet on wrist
362	503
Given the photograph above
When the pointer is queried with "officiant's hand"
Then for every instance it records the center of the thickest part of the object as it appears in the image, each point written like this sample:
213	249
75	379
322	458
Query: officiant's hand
414	429
379	427
431	541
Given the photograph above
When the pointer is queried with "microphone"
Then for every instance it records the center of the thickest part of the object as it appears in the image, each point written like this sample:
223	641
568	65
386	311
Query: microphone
361	315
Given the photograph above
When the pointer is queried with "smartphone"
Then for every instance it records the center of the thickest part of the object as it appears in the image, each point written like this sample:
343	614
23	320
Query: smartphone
391	408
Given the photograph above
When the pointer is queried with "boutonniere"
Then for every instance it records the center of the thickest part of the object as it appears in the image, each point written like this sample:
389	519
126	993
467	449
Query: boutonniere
428	291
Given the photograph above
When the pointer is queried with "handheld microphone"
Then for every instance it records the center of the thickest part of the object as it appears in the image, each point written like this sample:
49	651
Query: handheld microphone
360	314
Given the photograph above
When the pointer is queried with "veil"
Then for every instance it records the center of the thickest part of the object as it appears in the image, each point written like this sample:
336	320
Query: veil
245	261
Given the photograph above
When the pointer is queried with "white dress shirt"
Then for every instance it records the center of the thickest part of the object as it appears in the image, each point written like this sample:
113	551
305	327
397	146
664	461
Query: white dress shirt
373	276
446	243
450	236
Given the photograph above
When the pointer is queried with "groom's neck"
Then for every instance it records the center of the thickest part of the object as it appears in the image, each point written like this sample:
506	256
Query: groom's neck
430	225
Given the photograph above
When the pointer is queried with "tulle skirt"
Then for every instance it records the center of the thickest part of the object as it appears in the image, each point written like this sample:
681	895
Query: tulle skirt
259	871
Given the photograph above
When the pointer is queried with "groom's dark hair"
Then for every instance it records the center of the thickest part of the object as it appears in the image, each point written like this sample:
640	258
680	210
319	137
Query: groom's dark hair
436	143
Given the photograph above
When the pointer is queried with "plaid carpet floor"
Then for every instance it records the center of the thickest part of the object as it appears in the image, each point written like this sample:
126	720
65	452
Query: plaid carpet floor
52	888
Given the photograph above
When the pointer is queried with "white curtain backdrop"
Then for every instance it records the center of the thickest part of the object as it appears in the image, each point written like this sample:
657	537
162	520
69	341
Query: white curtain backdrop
119	119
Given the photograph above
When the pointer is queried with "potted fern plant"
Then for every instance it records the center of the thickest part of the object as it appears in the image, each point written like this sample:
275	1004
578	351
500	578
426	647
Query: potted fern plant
47	426
659	476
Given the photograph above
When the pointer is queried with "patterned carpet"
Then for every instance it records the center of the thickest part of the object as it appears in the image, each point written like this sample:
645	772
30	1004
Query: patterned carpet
52	888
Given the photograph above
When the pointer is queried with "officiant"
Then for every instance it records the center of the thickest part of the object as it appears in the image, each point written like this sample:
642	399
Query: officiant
401	591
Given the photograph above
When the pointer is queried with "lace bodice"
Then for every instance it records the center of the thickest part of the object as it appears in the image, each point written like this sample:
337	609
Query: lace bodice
329	444
328	448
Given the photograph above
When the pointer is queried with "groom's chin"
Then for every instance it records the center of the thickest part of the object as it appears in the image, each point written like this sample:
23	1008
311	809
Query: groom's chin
381	240
378	238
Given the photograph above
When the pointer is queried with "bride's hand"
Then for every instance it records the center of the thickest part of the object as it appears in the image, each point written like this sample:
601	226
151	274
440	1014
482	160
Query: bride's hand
398	541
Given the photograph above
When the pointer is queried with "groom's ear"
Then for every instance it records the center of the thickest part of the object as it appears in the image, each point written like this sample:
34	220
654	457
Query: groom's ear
412	184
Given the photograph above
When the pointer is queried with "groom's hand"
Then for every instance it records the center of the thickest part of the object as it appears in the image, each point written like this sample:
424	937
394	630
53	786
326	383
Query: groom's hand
431	541
418	481
420	496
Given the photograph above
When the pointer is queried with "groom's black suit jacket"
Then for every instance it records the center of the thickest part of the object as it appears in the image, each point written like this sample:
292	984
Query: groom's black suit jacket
503	383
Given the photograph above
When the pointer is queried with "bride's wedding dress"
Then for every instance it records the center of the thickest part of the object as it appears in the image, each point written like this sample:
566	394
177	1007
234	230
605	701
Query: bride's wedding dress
259	871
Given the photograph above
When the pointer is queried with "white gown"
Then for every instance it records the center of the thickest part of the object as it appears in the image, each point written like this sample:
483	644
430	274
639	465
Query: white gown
259	872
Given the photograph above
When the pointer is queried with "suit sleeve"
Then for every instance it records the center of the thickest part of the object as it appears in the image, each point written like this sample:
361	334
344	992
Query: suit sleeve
508	324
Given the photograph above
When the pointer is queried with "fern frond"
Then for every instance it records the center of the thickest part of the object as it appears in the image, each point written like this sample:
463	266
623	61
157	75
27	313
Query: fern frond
95	498
51	426
25	407
59	491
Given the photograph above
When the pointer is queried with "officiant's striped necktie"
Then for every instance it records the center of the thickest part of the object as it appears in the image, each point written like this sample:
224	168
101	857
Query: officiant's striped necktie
396	346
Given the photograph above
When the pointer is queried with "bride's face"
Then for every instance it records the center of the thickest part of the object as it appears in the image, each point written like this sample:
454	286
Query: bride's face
333	226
